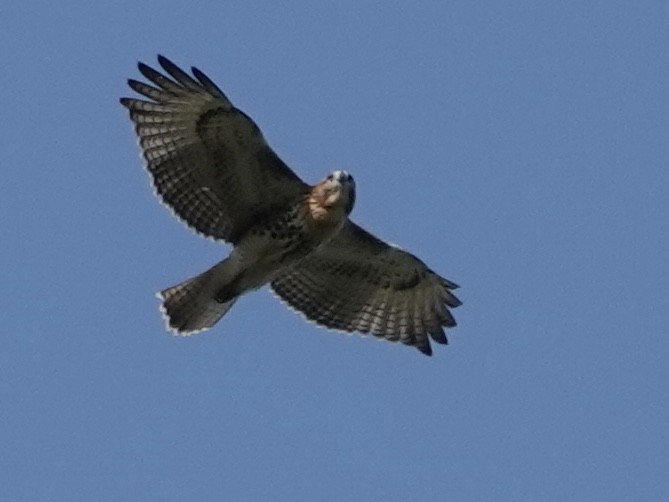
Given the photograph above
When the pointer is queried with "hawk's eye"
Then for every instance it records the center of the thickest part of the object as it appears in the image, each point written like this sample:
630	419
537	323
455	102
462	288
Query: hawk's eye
349	178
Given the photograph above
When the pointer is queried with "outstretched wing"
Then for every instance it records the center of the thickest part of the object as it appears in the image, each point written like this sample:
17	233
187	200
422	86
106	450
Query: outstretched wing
209	161
357	282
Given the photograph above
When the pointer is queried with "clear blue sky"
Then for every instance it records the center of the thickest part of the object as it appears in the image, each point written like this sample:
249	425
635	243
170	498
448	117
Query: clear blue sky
519	148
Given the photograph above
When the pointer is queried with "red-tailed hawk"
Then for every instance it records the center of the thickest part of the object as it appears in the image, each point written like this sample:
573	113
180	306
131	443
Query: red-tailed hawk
211	165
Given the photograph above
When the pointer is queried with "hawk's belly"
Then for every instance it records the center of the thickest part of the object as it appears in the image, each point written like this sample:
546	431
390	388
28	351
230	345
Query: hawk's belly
278	242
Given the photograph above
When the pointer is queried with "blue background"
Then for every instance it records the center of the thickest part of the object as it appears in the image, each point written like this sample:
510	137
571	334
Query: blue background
519	148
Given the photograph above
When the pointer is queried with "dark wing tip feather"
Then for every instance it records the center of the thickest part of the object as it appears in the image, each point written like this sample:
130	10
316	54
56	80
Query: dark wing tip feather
451	284
170	67
448	320
437	334
147	71
207	83
163	82
177	73
164	61
452	300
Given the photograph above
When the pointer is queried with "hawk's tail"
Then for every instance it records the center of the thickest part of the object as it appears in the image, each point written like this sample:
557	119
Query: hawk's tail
191	306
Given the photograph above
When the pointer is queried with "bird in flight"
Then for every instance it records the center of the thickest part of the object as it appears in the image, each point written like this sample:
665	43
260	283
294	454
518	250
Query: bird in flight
212	166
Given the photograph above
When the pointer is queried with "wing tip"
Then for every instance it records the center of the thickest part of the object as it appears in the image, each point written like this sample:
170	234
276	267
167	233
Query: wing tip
167	65
425	349
144	68
437	335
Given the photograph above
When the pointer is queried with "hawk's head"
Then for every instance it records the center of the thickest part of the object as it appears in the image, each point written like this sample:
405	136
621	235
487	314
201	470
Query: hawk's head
339	191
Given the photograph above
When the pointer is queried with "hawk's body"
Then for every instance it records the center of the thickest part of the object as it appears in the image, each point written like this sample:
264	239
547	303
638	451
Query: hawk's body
212	166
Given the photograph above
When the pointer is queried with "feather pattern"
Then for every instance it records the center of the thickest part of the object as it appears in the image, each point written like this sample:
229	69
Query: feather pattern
209	161
356	282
